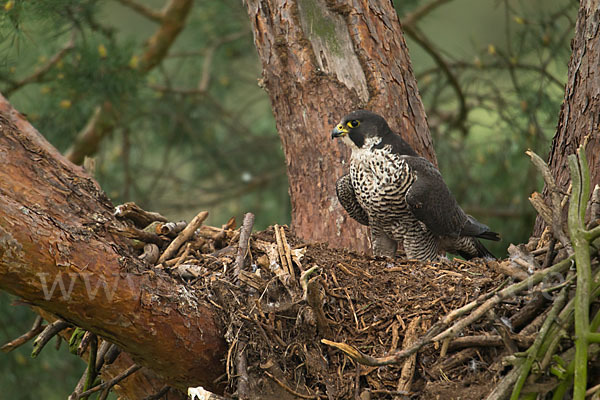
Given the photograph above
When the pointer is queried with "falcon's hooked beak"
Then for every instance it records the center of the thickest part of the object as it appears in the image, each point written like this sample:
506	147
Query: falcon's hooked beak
339	131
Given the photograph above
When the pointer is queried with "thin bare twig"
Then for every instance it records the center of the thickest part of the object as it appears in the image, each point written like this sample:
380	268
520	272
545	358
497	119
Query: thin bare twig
245	232
111	383
555	194
183	236
24	338
421	12
39	73
289	389
144	10
48	333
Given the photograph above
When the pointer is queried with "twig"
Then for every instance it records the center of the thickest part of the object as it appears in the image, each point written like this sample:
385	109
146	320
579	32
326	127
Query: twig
313	299
24	338
503	332
141	235
243	381
505	268
502	389
304	277
489	341
422	11
592	390
245	232
209	55
48	333
111	354
111	383
171	229
142	9
288	253
408	368
550	254
141	218
555	195
39	73
102	350
456	359
91	369
243	387
284	252
85	341
288	389
528	312
183	256
183	236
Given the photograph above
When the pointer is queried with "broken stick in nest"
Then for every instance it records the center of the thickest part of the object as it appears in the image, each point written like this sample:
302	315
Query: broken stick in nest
243	388
183	236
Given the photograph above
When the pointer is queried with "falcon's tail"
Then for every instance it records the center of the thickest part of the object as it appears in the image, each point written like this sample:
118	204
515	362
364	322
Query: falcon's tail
470	247
475	228
489	235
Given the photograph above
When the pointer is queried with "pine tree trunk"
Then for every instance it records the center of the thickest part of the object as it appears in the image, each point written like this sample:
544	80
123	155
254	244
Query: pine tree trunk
57	228
580	112
322	59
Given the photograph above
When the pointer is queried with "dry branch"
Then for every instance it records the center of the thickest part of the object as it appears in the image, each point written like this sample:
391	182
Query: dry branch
48	333
140	217
36	328
134	368
183	236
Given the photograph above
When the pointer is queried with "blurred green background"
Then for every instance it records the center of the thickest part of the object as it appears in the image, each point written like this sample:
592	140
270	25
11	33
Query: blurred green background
197	132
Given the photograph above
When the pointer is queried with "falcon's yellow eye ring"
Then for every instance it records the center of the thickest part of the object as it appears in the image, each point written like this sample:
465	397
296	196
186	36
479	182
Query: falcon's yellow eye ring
353	124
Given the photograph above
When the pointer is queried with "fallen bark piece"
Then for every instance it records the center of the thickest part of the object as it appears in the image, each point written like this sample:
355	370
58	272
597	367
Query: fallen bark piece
408	368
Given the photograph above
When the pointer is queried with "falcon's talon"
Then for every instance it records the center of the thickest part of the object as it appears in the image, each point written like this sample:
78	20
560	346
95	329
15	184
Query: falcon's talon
402	196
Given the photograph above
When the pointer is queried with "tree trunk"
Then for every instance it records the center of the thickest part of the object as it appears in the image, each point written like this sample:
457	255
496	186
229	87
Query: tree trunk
322	59
57	228
580	112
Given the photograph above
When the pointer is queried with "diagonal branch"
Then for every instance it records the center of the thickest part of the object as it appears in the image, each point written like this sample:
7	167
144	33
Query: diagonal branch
144	10
39	73
104	121
421	12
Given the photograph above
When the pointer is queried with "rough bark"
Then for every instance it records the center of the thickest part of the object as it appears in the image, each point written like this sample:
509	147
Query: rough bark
580	111
322	59
57	225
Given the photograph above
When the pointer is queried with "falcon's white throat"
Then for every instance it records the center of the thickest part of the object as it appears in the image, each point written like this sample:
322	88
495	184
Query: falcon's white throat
370	142
346	139
367	145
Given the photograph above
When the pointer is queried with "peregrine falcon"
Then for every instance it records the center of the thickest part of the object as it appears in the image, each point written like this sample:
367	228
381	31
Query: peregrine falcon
401	196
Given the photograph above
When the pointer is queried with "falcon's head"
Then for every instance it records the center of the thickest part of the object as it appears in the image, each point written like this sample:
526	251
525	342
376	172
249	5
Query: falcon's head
361	127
